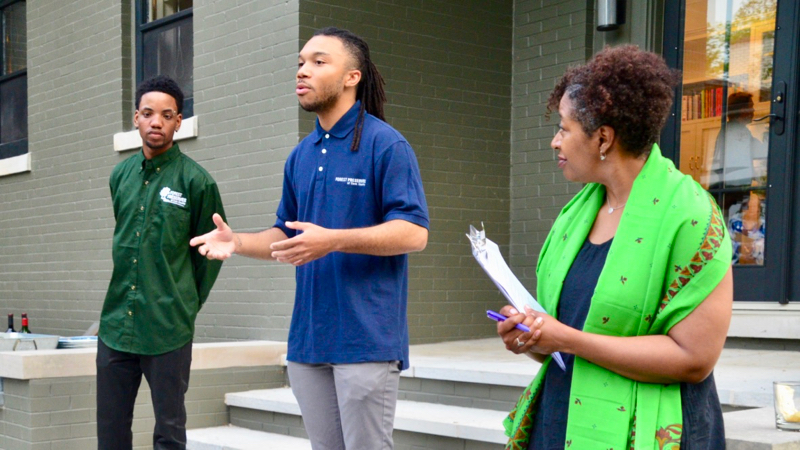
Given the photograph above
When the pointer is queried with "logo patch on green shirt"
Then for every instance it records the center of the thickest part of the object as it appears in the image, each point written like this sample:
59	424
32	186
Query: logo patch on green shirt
174	197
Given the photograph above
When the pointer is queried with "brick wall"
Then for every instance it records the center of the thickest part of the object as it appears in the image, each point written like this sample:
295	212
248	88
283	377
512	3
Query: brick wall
549	36
244	65
447	67
56	221
60	413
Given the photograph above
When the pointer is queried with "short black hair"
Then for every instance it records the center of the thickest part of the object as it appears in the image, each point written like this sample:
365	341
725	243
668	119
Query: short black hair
160	83
626	88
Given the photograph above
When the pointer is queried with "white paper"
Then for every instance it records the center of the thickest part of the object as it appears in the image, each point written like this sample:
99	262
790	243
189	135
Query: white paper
487	253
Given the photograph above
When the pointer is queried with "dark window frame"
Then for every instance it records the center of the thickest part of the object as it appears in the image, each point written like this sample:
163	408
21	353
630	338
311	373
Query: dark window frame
142	27
773	282
20	146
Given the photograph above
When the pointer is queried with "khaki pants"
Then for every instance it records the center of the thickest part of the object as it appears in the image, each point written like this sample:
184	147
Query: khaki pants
347	406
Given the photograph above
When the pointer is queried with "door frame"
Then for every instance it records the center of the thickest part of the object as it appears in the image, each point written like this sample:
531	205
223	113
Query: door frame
772	282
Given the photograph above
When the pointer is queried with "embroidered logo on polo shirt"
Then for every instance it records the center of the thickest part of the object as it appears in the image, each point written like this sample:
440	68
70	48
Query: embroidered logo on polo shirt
174	197
352	181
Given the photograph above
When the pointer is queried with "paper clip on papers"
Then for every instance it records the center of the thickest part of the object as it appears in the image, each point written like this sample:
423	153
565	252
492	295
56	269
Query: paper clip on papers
487	253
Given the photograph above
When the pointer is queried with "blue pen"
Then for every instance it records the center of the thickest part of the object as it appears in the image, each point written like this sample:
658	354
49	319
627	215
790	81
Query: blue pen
499	318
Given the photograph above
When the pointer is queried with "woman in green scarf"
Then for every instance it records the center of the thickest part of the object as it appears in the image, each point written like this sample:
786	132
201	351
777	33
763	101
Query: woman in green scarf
635	273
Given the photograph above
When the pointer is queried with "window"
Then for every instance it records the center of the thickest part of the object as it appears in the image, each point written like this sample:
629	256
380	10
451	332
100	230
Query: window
13	80
164	44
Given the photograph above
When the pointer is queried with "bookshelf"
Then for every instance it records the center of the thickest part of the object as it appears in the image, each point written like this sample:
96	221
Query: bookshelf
702	100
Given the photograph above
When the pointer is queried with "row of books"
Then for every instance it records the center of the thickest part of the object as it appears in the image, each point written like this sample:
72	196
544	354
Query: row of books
702	104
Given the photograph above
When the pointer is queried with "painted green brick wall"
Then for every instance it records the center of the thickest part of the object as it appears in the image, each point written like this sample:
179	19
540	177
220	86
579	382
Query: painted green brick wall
244	63
56	221
447	67
549	36
60	413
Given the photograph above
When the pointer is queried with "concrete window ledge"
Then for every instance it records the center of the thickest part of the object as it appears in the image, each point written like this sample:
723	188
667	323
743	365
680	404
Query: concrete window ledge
37	364
765	320
130	140
15	164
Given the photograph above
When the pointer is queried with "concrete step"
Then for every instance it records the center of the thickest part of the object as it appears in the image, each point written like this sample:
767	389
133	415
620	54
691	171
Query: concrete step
475	384
236	438
482	361
471	424
744	376
754	429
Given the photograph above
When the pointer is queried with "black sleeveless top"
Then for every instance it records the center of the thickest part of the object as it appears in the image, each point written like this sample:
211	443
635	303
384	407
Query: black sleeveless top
702	415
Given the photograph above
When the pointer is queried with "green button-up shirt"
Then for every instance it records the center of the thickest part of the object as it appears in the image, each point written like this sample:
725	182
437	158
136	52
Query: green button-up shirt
159	282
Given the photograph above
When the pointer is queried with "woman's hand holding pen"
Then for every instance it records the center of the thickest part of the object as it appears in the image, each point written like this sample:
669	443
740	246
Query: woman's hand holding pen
518	341
547	335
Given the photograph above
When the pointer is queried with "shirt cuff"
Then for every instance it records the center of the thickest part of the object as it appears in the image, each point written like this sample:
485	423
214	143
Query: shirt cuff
413	218
280	223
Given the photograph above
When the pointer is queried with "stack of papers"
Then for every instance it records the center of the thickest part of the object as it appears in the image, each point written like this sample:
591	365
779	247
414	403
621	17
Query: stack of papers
487	253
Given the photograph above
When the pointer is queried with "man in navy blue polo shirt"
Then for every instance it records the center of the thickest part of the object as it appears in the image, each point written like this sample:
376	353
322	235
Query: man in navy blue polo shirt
352	208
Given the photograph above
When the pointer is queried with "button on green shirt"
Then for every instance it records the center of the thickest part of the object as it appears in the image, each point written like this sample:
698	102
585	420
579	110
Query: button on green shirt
159	282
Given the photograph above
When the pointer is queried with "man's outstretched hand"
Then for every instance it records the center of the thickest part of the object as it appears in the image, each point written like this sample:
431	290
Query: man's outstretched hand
311	243
217	244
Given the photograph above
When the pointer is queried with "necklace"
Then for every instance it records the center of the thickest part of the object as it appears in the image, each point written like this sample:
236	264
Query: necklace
611	209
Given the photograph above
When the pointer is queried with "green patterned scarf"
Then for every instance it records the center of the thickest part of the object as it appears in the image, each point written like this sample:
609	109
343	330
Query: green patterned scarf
670	251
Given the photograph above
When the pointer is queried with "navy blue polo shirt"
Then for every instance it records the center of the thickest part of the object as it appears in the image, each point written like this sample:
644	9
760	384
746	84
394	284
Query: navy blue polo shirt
351	308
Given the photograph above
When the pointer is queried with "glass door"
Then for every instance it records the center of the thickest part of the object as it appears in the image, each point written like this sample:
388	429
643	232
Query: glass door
728	61
729	126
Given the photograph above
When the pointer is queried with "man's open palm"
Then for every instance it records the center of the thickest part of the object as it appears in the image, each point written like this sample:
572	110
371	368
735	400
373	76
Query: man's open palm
216	244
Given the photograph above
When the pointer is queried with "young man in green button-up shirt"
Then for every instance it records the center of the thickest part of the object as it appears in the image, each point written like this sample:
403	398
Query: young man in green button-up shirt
161	199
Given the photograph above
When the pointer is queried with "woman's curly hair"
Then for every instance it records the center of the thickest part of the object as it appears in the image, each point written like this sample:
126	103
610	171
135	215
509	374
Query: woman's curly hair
626	88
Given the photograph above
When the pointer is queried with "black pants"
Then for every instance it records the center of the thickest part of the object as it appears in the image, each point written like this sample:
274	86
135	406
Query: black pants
119	375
